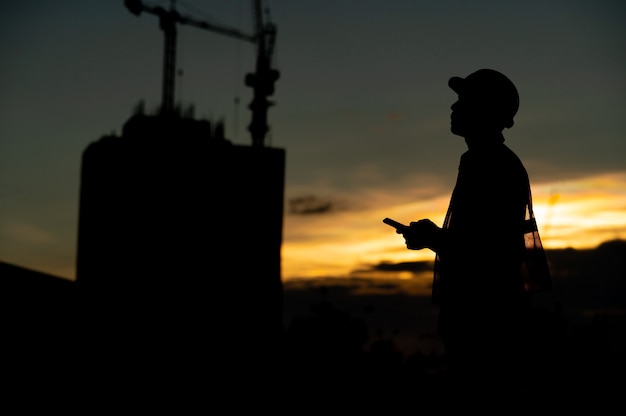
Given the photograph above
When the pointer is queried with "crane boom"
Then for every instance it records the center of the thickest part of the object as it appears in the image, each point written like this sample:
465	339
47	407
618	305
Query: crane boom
262	81
234	33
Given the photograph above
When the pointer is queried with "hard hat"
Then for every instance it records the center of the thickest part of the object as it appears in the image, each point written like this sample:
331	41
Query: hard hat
492	88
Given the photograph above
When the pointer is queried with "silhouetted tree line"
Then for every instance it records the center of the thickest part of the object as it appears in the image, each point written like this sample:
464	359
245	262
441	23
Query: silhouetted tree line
331	351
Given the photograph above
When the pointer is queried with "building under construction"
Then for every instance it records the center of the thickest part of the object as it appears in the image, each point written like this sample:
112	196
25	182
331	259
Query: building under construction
180	230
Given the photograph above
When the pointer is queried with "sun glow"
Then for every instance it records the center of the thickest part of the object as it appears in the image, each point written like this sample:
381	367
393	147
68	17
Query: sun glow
583	213
579	214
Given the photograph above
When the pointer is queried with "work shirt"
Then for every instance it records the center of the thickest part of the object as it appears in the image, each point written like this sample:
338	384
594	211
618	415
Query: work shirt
487	262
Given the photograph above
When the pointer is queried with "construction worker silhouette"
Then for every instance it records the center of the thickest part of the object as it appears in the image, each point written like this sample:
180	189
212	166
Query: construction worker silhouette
489	258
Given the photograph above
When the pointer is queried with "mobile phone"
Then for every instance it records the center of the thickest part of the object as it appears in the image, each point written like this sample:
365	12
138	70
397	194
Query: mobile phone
395	224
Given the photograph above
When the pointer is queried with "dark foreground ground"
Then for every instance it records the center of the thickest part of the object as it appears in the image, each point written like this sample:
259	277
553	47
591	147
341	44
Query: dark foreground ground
579	354
342	348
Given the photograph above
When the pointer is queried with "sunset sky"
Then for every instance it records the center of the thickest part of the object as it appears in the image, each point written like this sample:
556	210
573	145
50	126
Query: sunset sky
362	110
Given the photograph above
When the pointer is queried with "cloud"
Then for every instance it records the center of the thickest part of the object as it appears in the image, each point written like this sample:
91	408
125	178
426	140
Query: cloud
312	205
410	266
357	286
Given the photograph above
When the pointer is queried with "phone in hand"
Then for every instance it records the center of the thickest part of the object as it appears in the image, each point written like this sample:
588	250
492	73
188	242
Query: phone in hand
395	224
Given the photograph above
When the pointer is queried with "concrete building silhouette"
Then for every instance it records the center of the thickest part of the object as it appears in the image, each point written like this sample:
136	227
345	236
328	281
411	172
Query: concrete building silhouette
179	239
178	265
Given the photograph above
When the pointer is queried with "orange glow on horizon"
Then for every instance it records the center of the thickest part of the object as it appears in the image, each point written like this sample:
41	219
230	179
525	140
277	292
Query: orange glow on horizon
583	213
579	214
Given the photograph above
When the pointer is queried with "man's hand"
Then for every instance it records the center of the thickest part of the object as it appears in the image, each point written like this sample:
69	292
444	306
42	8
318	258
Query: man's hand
421	234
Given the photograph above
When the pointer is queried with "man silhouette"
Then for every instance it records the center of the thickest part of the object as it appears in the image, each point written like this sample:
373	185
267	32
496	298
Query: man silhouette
489	256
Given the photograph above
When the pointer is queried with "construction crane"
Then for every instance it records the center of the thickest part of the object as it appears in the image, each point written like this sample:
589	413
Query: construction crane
261	81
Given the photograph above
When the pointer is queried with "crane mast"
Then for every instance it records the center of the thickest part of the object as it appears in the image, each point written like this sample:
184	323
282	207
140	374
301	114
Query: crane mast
261	81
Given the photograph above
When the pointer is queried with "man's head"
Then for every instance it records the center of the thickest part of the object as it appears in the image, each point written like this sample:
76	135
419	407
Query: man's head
488	101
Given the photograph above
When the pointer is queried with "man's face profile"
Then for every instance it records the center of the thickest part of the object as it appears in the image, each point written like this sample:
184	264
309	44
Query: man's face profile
473	115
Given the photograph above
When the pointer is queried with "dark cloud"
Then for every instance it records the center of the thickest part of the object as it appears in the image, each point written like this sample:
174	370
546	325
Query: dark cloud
311	205
408	266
